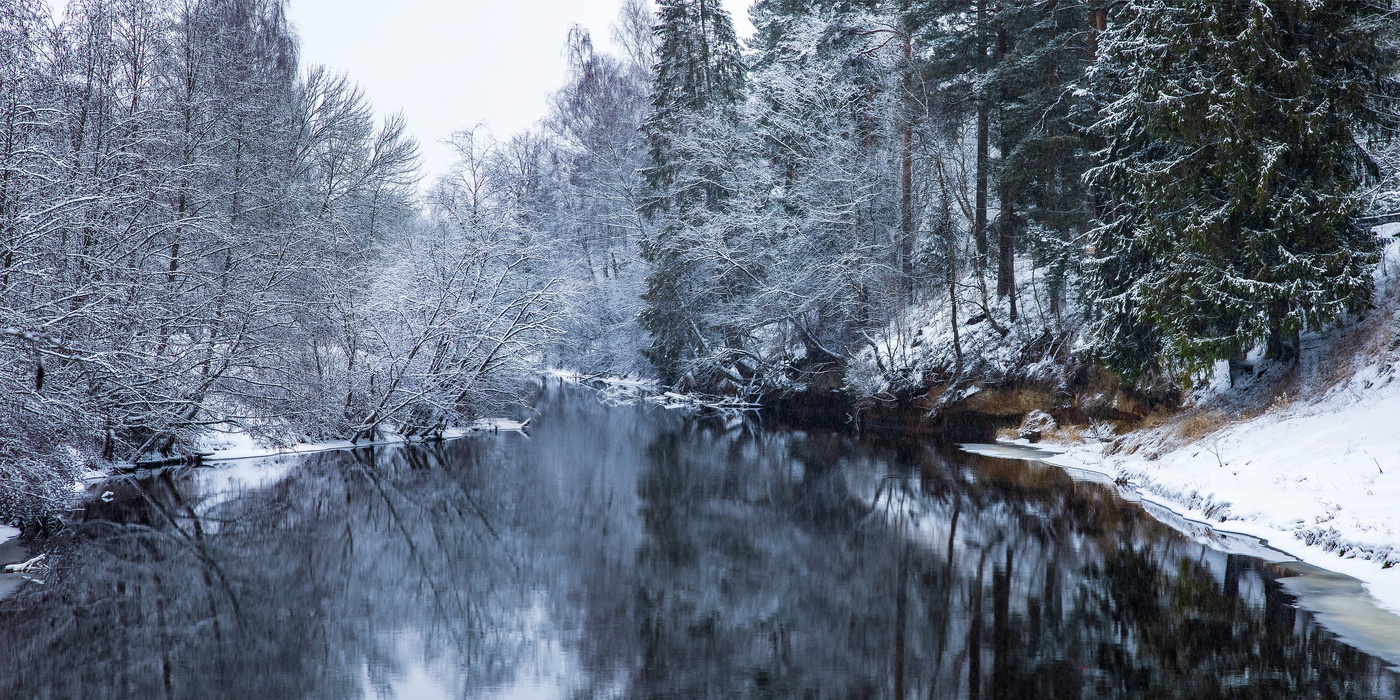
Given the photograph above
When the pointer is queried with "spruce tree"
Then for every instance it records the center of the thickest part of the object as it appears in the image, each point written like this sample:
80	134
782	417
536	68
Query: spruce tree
698	79
1233	175
1043	150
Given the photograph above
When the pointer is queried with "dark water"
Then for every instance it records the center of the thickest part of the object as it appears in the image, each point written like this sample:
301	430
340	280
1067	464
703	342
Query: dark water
631	552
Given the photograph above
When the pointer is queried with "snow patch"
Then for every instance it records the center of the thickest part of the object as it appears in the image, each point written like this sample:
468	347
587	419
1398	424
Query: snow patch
1390	230
1302	497
224	446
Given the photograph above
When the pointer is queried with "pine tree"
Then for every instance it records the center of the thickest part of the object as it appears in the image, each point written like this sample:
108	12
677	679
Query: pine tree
1233	174
964	46
697	81
1043	152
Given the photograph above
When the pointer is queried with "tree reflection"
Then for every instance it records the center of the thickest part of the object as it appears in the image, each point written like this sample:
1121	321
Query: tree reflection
309	588
655	556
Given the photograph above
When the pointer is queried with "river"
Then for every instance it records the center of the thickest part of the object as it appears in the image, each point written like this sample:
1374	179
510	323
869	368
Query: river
633	551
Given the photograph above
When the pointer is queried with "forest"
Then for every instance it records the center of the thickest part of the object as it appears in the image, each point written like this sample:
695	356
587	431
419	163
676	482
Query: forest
198	232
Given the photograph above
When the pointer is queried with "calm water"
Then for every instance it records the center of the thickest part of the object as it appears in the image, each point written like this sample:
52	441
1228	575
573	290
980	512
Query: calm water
632	552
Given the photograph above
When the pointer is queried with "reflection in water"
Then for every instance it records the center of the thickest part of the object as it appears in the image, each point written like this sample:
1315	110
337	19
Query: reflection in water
628	552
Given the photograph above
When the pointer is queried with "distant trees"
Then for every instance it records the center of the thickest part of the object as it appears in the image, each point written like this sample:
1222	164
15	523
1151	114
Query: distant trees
591	162
194	231
456	309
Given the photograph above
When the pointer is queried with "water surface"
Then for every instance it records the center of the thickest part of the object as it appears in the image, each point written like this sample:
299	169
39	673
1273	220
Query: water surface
634	552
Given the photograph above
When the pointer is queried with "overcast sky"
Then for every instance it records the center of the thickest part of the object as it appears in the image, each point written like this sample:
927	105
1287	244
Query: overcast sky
449	64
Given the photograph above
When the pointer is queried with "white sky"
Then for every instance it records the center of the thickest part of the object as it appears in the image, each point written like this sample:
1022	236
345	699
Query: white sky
451	64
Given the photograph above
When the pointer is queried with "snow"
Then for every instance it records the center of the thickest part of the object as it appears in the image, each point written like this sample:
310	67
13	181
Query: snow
222	446
8	533
616	391
1318	480
576	377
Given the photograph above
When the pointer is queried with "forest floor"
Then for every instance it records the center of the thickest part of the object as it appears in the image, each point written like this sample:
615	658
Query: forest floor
1305	456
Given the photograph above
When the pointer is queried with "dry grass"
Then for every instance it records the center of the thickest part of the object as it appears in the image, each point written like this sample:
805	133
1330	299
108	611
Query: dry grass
1157	418
1197	424
1369	340
1065	434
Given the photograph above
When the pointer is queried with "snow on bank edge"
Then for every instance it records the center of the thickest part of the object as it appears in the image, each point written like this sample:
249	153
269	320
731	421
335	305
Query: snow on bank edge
1315	510
228	446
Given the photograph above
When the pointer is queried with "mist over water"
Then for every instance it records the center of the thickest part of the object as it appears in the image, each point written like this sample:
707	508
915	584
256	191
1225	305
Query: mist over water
634	552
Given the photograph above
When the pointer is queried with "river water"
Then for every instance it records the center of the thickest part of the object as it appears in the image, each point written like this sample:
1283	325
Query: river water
628	551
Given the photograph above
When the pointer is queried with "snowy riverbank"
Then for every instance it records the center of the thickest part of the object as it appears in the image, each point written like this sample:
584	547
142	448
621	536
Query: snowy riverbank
1305	456
1317	479
217	446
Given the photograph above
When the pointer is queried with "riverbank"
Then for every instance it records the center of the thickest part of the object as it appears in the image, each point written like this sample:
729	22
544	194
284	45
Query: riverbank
223	446
1305	455
1318	478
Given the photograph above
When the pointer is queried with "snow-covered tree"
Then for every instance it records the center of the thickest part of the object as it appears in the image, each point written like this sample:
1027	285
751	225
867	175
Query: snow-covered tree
594	217
697	81
1233	173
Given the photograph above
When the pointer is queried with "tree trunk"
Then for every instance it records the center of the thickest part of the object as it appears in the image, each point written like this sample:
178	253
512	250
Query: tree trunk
906	183
1006	220
1239	367
979	224
1006	255
1098	23
1281	346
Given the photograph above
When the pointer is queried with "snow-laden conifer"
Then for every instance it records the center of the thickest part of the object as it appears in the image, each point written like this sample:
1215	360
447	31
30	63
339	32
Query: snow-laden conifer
1233	175
697	81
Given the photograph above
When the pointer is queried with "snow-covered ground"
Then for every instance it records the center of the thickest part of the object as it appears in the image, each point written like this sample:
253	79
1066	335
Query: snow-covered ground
219	446
1319	480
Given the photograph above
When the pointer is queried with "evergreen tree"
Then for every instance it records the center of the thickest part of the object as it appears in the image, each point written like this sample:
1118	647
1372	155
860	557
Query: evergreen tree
1233	174
1043	151
964	45
697	82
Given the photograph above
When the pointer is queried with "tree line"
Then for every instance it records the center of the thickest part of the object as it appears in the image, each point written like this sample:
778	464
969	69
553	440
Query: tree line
1156	185
197	231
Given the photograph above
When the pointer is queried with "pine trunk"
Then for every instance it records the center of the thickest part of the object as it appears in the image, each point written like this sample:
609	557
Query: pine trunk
979	223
